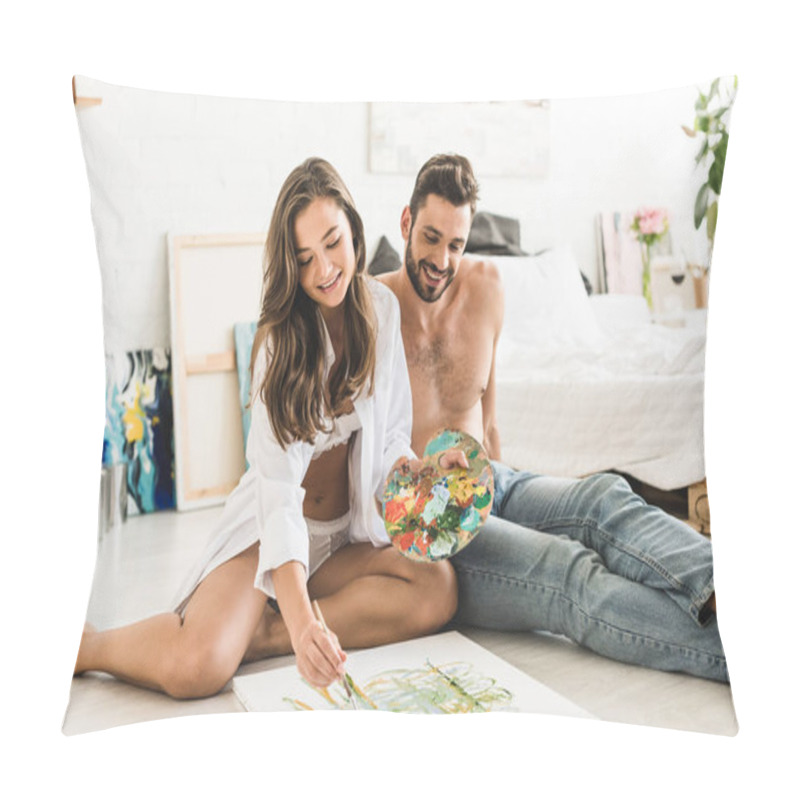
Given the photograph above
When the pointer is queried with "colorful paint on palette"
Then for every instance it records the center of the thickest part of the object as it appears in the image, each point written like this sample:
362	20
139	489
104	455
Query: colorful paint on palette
432	514
138	430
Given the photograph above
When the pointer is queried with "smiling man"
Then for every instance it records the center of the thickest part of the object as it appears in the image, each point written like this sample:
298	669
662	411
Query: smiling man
452	312
587	558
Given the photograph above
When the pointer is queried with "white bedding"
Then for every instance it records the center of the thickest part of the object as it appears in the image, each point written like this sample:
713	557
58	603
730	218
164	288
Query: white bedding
611	391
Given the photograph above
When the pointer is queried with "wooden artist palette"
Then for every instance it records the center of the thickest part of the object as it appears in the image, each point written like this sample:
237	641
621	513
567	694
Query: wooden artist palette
434	513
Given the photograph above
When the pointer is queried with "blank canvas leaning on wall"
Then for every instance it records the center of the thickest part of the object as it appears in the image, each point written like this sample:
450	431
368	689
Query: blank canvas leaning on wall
215	282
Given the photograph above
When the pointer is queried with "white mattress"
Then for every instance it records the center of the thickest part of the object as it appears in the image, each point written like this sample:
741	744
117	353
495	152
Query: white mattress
631	401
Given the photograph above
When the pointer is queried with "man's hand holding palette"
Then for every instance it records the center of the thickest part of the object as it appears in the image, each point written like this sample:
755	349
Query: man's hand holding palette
434	507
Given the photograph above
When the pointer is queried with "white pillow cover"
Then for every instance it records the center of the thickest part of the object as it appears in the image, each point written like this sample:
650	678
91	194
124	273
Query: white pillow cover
545	299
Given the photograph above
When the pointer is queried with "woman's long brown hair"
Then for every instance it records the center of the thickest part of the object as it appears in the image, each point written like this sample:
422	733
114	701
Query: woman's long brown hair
298	402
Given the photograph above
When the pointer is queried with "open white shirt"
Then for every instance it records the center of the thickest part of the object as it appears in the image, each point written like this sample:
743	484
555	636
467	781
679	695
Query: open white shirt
267	504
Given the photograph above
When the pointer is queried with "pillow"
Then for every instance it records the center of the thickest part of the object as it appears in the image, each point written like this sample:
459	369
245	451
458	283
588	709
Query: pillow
386	258
546	301
161	166
587	284
492	234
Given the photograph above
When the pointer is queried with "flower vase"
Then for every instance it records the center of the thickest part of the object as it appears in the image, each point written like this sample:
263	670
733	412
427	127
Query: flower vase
646	287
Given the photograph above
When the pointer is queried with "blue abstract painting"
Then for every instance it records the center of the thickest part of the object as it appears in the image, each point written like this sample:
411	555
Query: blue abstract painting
243	335
139	428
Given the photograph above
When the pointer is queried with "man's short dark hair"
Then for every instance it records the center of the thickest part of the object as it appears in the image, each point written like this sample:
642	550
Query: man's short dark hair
449	176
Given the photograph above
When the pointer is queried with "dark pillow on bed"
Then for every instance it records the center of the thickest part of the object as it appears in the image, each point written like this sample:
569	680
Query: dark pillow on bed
494	235
386	258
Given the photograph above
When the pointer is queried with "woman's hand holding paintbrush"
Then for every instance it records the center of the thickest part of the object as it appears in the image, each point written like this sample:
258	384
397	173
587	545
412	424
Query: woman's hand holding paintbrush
342	674
320	658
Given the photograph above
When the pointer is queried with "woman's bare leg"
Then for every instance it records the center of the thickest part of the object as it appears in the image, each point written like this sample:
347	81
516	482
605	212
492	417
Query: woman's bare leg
190	657
369	596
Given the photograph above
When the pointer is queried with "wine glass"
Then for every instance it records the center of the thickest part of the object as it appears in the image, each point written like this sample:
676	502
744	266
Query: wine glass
678	269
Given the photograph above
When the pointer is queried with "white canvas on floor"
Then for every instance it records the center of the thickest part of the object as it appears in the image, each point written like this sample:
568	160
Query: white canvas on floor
442	674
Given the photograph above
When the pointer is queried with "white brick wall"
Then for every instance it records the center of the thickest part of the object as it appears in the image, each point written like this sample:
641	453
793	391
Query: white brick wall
162	163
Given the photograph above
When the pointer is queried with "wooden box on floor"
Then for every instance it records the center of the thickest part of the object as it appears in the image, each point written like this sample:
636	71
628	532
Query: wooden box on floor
699	516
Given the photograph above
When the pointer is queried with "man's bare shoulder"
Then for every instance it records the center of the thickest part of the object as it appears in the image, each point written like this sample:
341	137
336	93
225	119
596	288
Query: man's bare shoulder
482	273
390	279
481	278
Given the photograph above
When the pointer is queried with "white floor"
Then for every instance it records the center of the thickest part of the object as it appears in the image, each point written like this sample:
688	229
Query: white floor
140	564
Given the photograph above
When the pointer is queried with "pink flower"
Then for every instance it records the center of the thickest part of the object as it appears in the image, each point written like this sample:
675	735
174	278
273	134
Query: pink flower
649	225
651	221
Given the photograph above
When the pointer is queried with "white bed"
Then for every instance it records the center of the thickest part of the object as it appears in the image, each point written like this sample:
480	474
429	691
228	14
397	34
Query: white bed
591	383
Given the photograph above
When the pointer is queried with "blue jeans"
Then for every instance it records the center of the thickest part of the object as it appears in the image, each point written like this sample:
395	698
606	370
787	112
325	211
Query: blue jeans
590	560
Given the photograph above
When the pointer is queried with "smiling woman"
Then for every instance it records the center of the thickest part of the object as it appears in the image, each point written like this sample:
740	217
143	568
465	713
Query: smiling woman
326	258
328	371
316	234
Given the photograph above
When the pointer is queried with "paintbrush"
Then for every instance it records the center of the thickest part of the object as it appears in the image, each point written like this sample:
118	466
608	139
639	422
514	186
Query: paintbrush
346	679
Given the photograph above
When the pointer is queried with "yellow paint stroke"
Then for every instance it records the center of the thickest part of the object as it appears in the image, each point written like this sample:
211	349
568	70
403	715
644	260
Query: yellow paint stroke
298	704
359	692
134	415
463	489
133	418
326	694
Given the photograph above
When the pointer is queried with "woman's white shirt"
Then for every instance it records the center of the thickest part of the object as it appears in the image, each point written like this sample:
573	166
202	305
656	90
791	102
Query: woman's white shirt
267	504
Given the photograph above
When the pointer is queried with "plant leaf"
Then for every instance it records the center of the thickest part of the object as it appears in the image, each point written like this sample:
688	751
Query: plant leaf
711	221
689	131
700	206
717	168
715	176
701	153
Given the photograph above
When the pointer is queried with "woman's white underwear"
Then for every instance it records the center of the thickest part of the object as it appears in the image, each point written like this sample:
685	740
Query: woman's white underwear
325	537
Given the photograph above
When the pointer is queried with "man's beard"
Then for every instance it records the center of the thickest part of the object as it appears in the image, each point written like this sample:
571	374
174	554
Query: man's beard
428	294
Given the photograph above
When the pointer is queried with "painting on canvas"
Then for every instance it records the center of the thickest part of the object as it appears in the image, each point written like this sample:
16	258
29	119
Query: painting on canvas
442	674
138	429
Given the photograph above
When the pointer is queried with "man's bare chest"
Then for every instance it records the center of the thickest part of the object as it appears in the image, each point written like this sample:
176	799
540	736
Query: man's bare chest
452	365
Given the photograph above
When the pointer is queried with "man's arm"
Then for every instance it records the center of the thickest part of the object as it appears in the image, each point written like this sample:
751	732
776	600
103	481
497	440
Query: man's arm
491	433
492	297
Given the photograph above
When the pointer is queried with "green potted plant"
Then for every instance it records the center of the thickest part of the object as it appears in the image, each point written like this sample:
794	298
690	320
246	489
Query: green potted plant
712	115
